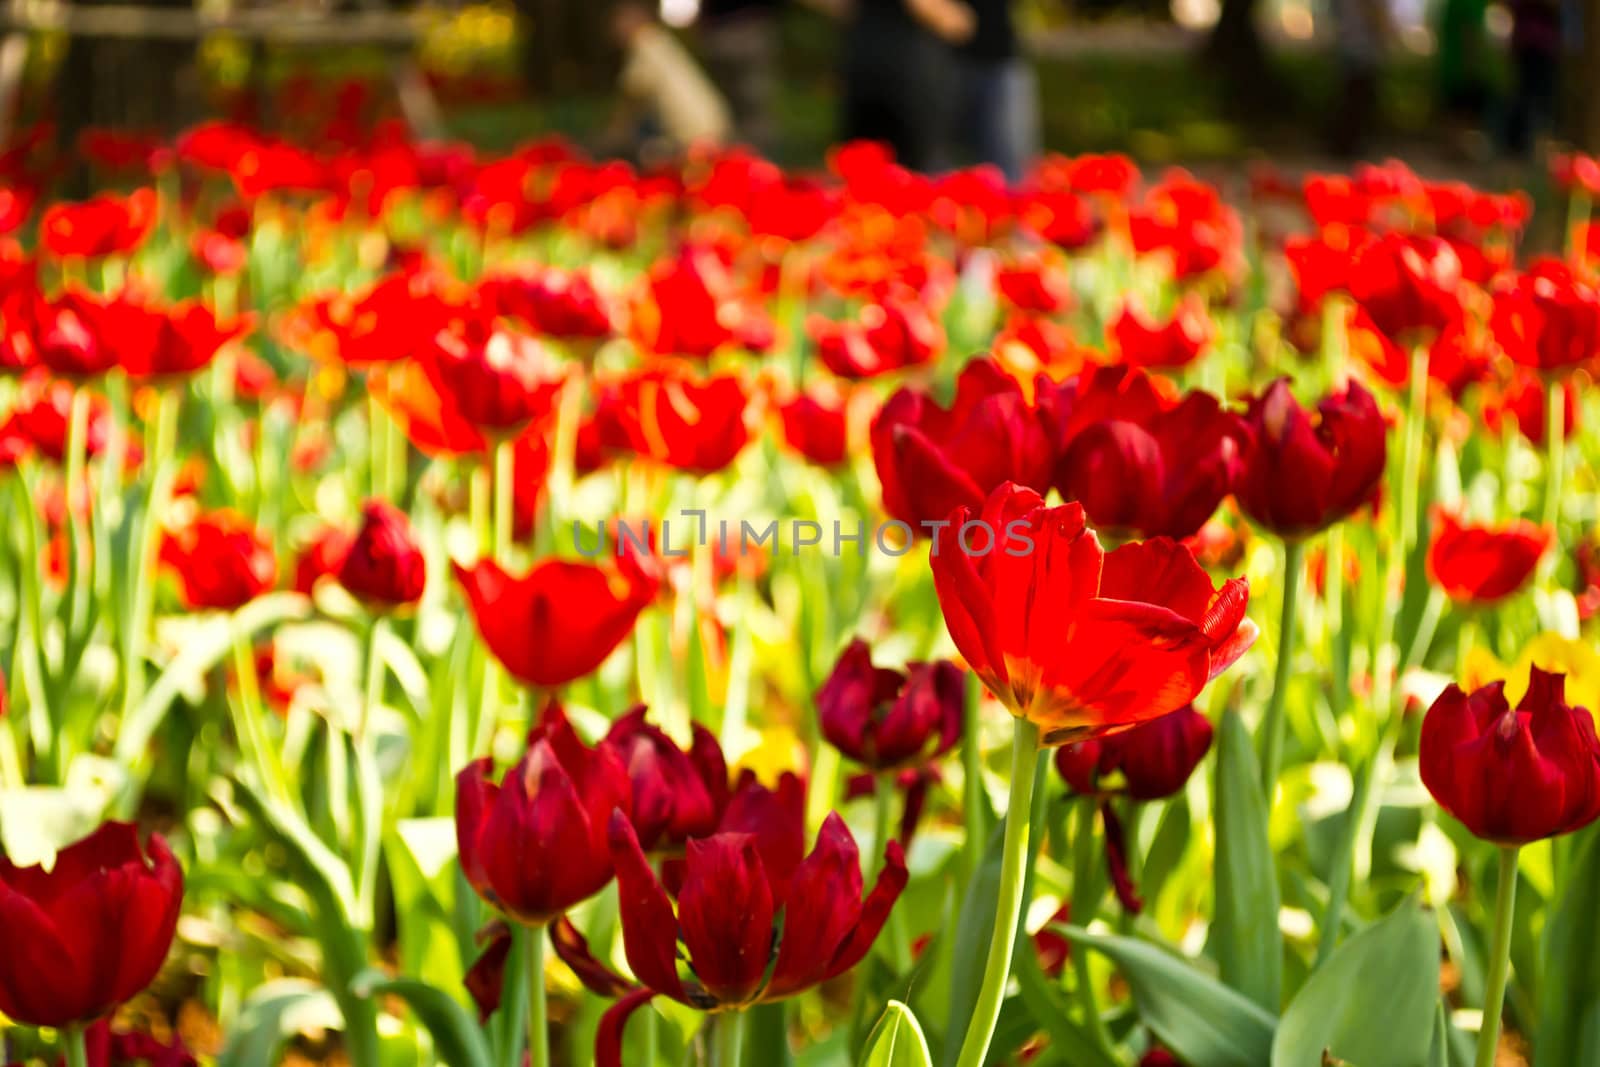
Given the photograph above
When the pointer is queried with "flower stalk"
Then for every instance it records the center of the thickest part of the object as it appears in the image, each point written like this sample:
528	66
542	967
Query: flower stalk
1494	994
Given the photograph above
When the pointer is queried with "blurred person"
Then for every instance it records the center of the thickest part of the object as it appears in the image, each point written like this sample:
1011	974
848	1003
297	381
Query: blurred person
1536	45
665	102
997	110
895	69
739	40
1362	32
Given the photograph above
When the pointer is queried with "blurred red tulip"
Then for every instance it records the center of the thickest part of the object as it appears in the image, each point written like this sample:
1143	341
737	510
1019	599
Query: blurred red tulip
1078	641
495	380
1410	286
1035	283
383	565
164	342
1303	472
1483	564
890	335
535	845
677	419
1512	775
1546	317
816	426
1178	342
92	932
559	621
220	560
109	224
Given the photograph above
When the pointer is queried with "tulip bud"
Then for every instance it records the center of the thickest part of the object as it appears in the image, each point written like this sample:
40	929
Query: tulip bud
886	719
383	565
1483	564
221	561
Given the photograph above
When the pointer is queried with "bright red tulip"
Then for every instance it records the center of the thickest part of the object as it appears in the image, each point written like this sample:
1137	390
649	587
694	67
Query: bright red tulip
1410	286
1512	775
220	560
1183	338
535	845
40	415
1078	641
889	335
1483	564
692	308
89	934
887	719
559	621
383	565
1036	284
553	303
675	418
1547	318
74	334
495	380
931	460
816	426
1302	472
164	342
109	224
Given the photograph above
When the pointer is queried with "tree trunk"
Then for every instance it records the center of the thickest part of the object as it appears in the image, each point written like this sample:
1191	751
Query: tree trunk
567	45
1237	55
1586	122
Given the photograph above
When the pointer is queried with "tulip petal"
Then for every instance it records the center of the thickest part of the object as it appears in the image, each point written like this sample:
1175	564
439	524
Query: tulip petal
725	911
608	1038
573	949
824	904
874	912
649	927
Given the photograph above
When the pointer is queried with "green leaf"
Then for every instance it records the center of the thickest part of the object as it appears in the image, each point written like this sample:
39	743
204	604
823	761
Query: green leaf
1439	1040
970	948
1203	1022
457	1038
1244	933
1569	1004
274	1012
897	1040
1389	971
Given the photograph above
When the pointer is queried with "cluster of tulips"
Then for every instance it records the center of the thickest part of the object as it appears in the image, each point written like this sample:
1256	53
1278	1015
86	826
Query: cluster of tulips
464	609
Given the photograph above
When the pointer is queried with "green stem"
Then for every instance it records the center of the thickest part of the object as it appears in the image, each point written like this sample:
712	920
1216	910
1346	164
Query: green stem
728	1033
1008	903
1411	458
77	1052
76	598
168	404
1087	890
1555	441
974	807
1274	725
538	1015
504	500
479	488
1494	994
374	687
249	714
1427	626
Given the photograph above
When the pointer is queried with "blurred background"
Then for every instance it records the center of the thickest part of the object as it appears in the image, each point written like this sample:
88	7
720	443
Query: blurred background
1466	86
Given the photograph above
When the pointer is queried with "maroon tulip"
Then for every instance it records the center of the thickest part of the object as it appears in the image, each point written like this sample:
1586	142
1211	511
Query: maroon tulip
89	934
932	460
535	845
559	621
1303	472
1153	759
748	934
383	565
1512	775
1138	463
677	795
221	561
888	719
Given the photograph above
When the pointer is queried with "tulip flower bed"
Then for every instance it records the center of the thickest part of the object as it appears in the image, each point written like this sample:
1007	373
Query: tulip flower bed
475	610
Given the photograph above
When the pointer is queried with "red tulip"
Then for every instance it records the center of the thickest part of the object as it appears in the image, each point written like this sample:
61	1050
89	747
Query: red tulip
321	558
397	316
677	419
74	334
692	308
1078	641
1035	283
158	342
535	845
888	719
1142	342
1410	286
1526	399
221	561
1139	463
749	935
1303	472
89	934
559	621
816	426
40	415
931	460
1152	760
495	380
383	565
677	795
551	302
1483	564
1547	318
1512	775
892	334
109	224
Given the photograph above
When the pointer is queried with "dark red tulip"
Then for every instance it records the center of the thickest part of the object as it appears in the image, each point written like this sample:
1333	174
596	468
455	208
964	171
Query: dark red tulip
552	302
164	342
105	1047
932	460
559	621
220	560
887	719
89	934
677	795
496	380
1146	762
1512	775
535	845
816	425
1138	462
74	334
1483	564
1547	318
1302	472
383	565
321	558
749	935
1177	342
1410	286
1076	640
109	224
888	335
